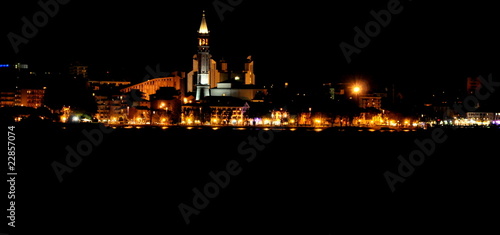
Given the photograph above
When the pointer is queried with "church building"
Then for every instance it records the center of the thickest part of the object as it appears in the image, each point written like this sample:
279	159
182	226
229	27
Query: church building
207	74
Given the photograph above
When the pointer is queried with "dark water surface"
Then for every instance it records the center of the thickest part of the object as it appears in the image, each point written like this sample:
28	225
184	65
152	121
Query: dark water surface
287	182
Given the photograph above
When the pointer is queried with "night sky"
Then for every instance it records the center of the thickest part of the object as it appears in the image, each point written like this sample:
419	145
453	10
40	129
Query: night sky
428	44
322	182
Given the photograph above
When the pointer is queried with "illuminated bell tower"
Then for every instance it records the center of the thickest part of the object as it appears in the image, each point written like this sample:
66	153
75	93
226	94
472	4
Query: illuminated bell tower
203	78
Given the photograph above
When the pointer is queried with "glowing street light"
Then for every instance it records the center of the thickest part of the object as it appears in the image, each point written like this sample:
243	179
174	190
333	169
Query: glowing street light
357	90
317	121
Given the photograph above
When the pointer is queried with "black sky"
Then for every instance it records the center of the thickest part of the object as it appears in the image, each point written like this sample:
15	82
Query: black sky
428	44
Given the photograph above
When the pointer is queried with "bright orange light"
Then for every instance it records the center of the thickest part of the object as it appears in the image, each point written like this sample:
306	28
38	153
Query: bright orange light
356	89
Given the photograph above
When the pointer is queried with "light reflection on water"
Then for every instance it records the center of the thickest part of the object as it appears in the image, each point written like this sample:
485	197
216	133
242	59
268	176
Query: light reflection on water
318	129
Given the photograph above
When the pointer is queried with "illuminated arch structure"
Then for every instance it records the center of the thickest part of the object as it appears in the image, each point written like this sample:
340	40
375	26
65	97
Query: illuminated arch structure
151	86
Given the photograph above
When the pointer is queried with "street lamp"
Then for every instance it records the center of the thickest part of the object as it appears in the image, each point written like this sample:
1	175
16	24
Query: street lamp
356	91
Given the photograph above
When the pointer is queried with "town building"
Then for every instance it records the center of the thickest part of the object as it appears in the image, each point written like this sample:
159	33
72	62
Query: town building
111	104
239	90
7	98
79	70
111	108
370	102
216	110
472	84
481	118
32	98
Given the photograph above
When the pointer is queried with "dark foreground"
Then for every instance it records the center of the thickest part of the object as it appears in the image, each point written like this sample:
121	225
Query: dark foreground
286	182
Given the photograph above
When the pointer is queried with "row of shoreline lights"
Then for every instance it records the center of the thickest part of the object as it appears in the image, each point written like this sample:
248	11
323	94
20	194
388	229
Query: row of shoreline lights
316	122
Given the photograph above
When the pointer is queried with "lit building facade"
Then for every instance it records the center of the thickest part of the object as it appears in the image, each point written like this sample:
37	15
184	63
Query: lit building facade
472	84
249	71
111	109
229	114
216	110
32	98
79	70
280	117
370	102
237	90
7	98
111	104
480	118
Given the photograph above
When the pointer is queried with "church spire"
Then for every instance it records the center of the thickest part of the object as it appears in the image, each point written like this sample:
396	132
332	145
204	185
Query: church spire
203	71
203	26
